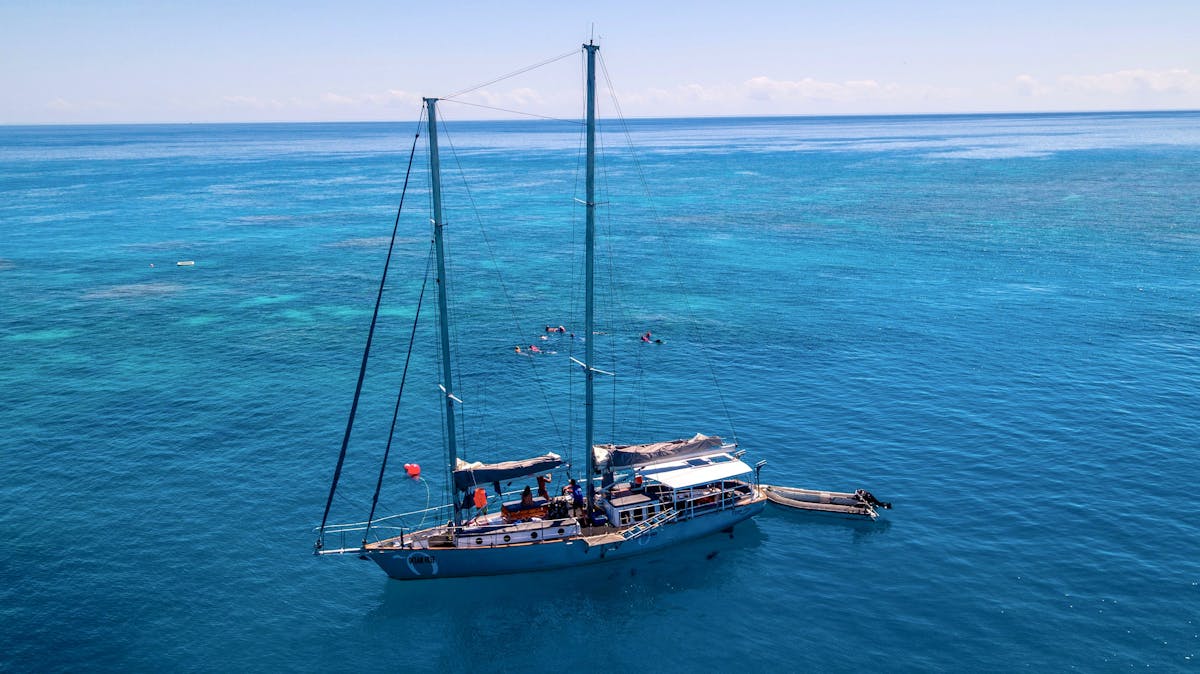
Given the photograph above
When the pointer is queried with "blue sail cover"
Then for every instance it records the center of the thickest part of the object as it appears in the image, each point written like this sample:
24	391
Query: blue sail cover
468	475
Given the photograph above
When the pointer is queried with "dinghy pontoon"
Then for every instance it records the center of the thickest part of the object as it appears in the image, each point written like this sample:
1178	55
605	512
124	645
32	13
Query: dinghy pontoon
861	503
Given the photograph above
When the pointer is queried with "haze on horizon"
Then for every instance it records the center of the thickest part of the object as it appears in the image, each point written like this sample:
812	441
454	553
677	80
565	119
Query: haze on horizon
221	61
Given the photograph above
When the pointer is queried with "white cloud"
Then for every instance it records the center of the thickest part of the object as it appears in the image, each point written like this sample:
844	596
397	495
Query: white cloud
756	93
1029	86
336	99
329	105
1135	82
684	96
765	88
252	102
1119	90
391	97
75	110
1132	88
765	95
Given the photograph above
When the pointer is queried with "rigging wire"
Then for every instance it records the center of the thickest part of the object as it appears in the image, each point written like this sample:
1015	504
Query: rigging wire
510	75
412	338
617	317
516	112
362	371
670	260
503	286
619	320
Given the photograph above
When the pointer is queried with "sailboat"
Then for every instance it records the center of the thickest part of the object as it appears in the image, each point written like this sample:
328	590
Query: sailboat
650	495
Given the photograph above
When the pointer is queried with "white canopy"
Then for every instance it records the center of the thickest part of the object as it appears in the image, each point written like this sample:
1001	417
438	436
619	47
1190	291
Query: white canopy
682	474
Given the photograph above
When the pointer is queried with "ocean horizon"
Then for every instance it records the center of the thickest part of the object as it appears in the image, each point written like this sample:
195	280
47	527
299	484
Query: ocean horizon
517	117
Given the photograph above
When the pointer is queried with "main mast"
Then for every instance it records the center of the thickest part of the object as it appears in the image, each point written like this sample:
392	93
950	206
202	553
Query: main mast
435	173
589	272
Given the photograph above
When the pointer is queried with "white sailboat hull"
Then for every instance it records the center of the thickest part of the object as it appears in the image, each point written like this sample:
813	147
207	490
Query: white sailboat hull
407	563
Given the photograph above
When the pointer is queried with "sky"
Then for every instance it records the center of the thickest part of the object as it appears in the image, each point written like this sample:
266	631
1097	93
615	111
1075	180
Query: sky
123	61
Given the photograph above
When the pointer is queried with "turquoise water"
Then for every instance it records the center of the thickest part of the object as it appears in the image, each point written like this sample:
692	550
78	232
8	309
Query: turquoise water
989	320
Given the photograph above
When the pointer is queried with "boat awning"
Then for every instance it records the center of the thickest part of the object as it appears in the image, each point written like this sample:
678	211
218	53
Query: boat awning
619	456
700	470
468	475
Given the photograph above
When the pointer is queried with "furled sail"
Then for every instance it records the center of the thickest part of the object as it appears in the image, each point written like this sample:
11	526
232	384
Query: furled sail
467	475
620	456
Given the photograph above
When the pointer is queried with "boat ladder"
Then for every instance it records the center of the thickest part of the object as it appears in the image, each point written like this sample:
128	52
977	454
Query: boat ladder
647	525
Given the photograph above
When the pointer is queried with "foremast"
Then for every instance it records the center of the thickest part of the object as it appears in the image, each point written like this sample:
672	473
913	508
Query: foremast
447	386
590	274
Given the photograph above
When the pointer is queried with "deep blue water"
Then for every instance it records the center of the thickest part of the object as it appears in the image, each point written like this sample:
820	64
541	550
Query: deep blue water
989	320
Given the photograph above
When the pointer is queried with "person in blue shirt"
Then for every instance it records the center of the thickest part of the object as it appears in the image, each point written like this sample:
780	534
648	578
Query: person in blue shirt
576	495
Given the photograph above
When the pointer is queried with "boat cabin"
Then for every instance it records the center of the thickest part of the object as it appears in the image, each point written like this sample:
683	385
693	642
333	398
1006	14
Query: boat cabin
488	536
689	487
627	507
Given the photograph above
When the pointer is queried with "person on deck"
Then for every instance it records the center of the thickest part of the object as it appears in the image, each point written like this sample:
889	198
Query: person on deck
527	498
576	495
542	480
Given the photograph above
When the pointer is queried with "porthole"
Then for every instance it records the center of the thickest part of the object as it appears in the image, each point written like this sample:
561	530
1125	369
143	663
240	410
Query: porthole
561	531
478	541
507	538
533	534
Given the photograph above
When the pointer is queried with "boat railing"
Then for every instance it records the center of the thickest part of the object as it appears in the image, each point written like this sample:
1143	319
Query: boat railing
397	522
425	517
649	524
691	502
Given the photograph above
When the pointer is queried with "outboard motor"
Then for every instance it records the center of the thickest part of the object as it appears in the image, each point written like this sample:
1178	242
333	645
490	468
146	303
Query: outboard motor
867	497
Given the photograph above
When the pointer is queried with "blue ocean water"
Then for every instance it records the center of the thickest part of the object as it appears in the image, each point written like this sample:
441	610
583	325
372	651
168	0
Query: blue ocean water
989	320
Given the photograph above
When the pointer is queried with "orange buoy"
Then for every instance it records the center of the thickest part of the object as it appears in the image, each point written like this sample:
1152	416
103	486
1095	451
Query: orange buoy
480	497
413	469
